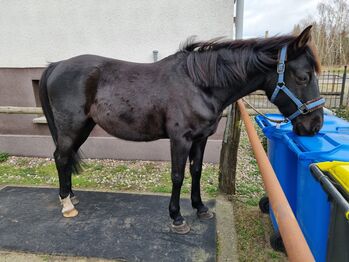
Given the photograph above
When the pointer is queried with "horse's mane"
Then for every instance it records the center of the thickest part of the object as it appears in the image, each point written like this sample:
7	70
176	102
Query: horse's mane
210	62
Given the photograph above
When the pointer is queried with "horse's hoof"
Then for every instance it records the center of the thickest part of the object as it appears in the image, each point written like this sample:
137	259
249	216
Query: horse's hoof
181	229
68	209
74	200
71	213
205	215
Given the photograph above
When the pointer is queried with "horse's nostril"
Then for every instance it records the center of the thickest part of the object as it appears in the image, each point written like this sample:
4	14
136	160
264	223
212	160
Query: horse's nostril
316	129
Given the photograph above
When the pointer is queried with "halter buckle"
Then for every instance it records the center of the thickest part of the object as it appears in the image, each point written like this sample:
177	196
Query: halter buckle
280	68
303	109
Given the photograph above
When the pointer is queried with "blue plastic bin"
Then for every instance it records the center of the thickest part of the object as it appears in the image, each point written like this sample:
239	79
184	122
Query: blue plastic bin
312	203
290	156
286	174
278	152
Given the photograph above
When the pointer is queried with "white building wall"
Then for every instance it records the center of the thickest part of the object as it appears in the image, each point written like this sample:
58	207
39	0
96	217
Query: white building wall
35	32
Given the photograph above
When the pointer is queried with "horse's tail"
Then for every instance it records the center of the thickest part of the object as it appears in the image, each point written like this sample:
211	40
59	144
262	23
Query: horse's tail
45	101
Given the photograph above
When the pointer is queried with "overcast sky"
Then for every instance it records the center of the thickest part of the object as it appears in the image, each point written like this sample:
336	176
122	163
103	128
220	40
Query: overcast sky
276	16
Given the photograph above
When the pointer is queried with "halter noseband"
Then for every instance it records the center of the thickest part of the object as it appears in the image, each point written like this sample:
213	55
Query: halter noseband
302	108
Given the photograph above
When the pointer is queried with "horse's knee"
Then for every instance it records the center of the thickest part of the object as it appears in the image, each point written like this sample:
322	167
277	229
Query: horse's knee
61	159
177	179
195	169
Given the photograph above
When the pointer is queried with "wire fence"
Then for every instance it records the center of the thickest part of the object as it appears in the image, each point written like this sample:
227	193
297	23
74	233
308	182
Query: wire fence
333	84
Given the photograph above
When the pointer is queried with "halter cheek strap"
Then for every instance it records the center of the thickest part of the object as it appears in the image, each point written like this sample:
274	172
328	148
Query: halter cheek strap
302	108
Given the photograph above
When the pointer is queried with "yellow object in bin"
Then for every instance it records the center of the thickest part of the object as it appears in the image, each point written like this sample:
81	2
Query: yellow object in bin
339	171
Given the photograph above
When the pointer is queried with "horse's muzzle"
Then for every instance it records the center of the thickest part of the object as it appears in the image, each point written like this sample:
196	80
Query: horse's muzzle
308	125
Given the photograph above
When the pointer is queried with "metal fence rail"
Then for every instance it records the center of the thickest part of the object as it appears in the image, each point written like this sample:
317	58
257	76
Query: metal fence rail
333	84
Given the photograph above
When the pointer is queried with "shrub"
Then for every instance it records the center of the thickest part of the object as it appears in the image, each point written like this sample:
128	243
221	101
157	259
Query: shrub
3	157
343	112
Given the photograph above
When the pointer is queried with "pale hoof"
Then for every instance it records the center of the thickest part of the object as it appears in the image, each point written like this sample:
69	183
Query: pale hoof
181	229
75	200
68	208
71	213
206	215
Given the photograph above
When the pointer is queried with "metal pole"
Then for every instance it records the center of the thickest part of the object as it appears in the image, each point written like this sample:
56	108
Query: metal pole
328	186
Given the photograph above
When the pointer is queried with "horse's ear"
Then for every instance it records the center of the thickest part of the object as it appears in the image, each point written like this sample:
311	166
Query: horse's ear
302	40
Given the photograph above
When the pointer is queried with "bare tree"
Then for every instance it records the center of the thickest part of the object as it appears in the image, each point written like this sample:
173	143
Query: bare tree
331	31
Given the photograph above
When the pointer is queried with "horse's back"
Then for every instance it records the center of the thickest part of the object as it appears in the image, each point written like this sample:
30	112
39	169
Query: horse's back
77	69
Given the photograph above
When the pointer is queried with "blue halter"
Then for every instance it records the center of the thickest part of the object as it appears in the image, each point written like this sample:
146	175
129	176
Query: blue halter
302	108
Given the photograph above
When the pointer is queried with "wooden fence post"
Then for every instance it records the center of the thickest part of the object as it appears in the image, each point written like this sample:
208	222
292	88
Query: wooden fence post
230	145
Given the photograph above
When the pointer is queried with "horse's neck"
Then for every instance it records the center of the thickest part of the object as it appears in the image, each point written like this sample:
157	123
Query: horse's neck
227	82
229	95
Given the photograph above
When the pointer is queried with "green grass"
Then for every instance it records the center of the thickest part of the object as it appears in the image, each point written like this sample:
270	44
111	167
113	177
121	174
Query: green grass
108	175
251	232
3	156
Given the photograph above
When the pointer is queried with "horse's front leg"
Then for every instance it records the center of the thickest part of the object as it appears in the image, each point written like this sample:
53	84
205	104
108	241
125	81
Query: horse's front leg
196	156
179	154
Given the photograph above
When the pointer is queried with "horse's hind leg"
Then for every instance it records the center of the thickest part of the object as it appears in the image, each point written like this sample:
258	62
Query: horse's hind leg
64	163
83	135
196	155
68	144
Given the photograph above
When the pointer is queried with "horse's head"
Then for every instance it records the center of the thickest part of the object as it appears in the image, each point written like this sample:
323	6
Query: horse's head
293	86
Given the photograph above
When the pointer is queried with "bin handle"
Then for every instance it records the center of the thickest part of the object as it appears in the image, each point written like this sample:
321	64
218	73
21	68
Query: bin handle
260	121
343	129
330	189
292	145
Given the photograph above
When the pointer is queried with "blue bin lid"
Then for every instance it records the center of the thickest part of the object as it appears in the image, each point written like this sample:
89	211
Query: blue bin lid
270	129
321	147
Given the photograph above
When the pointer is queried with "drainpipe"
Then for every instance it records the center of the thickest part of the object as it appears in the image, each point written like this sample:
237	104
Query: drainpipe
155	55
239	19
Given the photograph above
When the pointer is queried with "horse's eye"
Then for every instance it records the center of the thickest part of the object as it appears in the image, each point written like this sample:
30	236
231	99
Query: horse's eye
303	78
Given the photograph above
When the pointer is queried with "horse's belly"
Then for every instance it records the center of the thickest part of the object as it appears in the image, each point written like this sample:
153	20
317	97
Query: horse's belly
128	133
128	126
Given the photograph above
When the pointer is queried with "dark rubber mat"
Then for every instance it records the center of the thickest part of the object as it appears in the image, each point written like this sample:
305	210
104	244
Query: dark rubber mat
129	227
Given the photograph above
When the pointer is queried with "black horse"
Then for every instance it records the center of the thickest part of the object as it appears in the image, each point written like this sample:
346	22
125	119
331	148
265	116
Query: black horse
181	97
